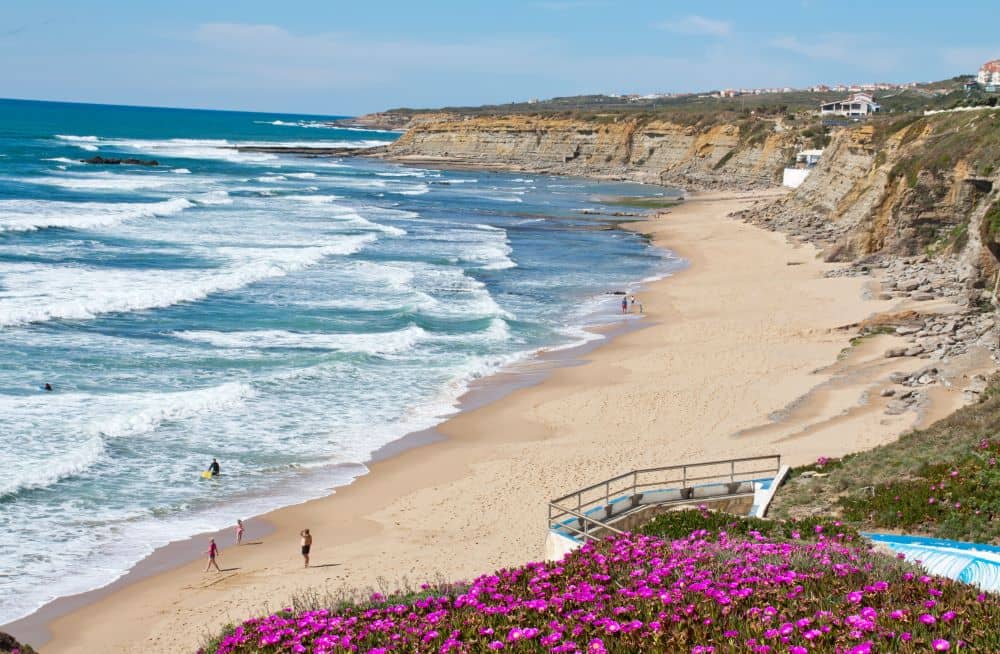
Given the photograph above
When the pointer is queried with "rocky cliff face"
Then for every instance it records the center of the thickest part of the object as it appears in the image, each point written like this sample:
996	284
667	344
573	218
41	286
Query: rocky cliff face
920	186
749	154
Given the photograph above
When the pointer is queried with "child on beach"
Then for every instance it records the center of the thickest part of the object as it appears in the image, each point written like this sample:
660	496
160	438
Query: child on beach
624	304
213	551
307	541
636	301
239	532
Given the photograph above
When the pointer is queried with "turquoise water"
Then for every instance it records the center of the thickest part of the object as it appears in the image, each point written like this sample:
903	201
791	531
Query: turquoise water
286	315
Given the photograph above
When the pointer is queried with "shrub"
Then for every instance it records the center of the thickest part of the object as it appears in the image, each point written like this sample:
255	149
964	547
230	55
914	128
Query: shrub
679	524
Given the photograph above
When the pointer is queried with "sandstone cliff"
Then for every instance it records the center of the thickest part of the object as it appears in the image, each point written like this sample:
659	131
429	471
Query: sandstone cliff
914	186
746	153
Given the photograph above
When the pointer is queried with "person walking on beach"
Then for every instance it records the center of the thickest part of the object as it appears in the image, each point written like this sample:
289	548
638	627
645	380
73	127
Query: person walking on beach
307	541
636	301
624	304
213	551
239	532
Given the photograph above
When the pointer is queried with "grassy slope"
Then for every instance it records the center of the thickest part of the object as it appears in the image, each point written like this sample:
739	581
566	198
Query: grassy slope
863	487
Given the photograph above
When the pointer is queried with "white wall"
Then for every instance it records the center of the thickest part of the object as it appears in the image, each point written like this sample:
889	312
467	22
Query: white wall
794	177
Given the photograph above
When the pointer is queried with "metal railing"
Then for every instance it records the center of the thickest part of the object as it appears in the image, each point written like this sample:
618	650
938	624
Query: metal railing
579	513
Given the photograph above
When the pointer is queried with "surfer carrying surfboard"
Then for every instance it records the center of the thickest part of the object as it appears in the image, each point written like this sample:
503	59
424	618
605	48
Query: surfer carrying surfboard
213	468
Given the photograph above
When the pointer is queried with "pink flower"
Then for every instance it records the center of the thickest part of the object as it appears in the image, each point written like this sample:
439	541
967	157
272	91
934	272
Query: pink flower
927	618
855	597
941	645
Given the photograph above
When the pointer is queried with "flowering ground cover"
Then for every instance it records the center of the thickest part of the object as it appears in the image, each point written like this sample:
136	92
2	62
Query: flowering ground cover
942	481
709	592
679	524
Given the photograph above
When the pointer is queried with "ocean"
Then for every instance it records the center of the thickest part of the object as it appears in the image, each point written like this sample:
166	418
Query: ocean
286	315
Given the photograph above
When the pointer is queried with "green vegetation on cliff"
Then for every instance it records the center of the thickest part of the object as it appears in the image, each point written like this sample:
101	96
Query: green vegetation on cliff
942	481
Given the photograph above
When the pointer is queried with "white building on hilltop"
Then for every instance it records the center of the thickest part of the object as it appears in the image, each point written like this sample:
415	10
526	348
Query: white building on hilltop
989	73
856	106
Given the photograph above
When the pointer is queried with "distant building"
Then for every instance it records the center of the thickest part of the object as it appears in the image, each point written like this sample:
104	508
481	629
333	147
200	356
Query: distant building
989	73
808	158
804	162
858	105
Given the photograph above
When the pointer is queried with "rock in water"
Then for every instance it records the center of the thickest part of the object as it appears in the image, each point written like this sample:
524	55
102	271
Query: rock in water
106	161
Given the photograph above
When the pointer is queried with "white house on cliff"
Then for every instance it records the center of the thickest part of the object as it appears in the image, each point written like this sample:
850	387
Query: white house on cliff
989	73
858	105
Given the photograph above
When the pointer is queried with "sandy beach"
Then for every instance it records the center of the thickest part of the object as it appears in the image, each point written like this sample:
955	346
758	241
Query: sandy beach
741	354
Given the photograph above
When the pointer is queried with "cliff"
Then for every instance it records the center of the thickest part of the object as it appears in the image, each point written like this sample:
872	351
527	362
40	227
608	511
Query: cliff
745	153
918	185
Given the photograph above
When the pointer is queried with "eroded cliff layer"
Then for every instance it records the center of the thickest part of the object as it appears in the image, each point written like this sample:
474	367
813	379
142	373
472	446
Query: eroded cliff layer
917	185
745	153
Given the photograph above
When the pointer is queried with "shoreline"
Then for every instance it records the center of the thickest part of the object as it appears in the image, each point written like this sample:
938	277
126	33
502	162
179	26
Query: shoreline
403	518
533	369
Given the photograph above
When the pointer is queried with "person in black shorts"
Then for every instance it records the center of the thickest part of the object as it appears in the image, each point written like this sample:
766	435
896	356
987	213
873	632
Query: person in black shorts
307	541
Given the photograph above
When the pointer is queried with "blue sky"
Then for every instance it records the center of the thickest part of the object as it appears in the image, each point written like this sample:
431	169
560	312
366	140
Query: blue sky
335	57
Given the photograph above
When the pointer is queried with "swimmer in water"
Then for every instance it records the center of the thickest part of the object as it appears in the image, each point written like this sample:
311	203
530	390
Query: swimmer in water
48	386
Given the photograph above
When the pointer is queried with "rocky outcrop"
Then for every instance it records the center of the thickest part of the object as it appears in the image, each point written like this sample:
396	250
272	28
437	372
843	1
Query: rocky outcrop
112	161
748	153
913	203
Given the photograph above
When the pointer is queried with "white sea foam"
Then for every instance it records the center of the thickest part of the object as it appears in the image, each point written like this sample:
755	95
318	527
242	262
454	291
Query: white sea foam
63	160
29	215
213	197
312	199
367	343
99	418
23	474
103	181
410	189
36	293
143	413
181	171
301	175
578	335
403	173
72	138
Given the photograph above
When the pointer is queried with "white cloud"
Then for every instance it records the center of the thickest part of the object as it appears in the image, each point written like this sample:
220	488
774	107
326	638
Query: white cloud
698	26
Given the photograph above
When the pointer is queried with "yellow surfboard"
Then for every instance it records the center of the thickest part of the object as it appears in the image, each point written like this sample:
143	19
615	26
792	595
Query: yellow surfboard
206	474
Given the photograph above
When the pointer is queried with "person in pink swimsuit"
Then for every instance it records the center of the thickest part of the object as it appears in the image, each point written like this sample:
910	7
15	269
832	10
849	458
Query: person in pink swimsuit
213	551
239	532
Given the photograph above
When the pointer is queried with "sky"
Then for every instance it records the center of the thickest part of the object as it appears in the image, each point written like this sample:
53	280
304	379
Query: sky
337	57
